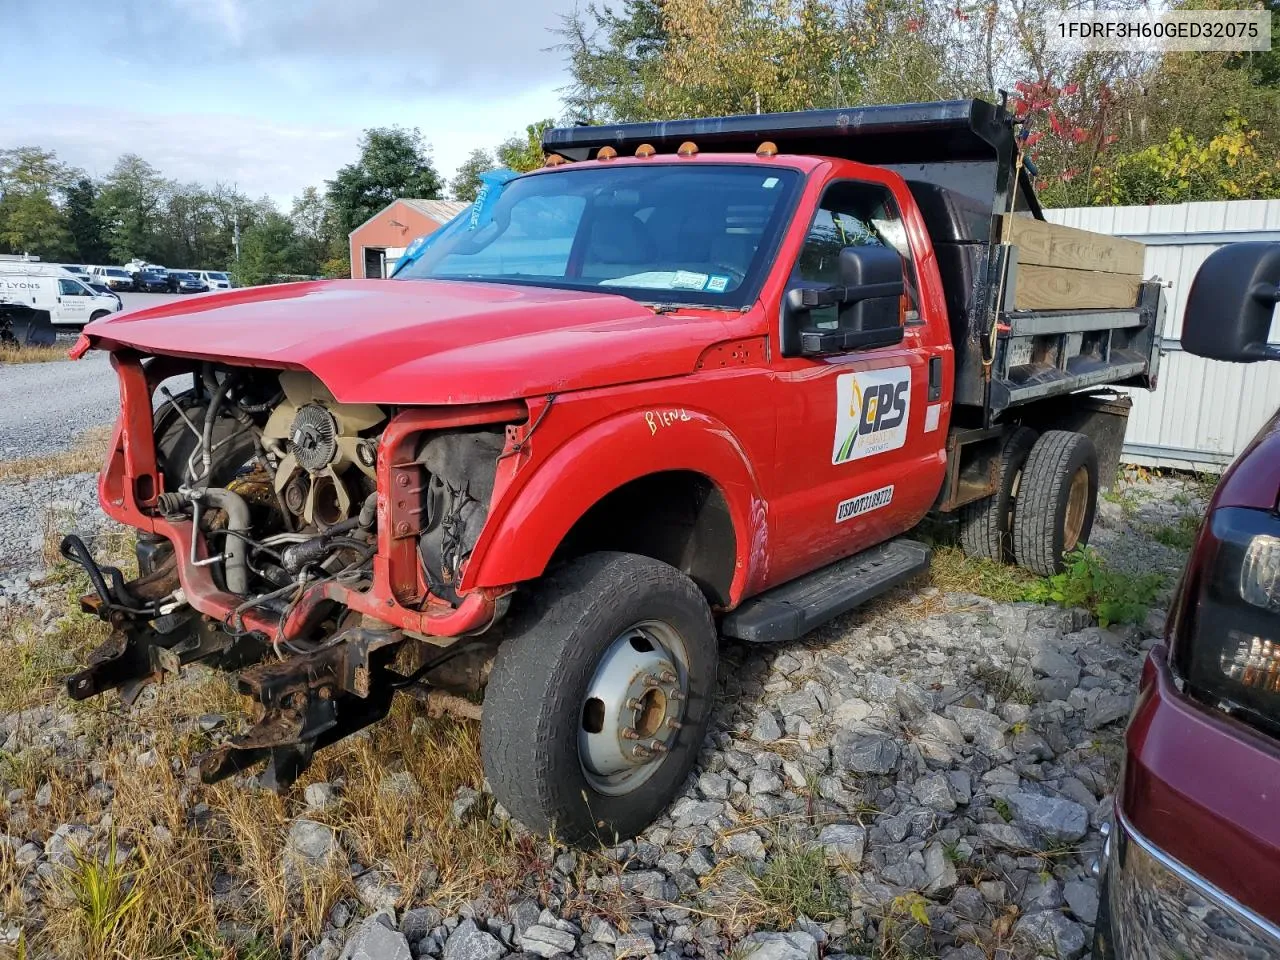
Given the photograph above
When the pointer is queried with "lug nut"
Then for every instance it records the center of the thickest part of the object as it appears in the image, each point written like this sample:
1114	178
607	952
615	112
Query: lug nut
675	695
633	704
668	677
630	734
640	752
657	746
673	723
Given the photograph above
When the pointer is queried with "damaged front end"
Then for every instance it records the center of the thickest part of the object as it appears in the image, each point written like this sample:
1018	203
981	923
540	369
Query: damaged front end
316	547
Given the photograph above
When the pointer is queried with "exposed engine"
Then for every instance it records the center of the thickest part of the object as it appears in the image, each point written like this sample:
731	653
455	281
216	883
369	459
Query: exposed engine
314	440
265	501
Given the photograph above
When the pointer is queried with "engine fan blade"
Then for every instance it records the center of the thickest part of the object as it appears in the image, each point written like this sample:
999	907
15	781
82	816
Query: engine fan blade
285	471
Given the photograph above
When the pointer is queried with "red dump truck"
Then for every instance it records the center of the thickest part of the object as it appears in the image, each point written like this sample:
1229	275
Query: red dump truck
691	379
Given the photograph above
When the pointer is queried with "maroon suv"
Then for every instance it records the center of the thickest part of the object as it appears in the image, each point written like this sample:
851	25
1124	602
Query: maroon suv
1192	862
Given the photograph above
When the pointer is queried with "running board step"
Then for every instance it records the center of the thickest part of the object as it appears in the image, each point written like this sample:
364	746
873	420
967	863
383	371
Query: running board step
795	608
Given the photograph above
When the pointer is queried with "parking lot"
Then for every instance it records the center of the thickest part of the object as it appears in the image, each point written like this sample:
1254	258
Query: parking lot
136	301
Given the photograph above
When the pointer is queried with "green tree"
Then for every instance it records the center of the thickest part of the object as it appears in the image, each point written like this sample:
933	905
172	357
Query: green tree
1231	166
524	153
131	205
394	162
267	251
311	225
613	59
83	222
31	220
466	182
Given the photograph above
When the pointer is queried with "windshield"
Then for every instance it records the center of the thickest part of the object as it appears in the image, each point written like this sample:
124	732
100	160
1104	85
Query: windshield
116	272
216	275
666	233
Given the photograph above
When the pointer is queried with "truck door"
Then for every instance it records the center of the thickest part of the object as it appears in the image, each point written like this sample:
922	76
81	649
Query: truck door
74	300
860	447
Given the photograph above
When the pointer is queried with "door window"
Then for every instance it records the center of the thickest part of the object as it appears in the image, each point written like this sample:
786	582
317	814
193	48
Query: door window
851	214
71	288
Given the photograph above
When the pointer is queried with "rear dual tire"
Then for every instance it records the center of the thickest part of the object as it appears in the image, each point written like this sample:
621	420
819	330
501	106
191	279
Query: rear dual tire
986	526
1057	501
1044	505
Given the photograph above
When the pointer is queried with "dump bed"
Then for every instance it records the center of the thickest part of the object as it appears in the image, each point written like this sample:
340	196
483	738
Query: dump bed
1035	310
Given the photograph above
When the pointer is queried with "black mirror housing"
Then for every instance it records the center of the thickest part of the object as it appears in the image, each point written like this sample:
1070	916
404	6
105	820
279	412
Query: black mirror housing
868	299
1231	304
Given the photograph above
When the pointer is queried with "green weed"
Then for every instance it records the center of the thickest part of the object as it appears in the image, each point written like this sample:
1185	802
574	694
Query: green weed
1110	595
105	895
1180	535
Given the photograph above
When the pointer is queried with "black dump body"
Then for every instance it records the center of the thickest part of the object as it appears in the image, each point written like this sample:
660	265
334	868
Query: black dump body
959	159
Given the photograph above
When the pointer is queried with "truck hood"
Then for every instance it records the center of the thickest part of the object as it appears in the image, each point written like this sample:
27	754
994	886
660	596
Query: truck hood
418	342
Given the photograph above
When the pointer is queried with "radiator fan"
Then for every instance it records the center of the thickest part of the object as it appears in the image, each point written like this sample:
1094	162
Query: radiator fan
320	437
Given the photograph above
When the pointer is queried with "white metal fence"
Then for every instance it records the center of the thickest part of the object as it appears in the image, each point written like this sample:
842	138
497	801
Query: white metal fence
1204	411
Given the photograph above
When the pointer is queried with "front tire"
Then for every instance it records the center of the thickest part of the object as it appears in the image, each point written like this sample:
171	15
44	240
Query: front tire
1057	499
600	698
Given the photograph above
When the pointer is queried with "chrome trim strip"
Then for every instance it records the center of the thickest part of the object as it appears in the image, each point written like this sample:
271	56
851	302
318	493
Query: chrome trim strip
1159	904
1192	879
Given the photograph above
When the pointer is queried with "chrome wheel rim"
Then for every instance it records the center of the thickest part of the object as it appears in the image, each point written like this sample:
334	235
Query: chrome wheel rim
634	707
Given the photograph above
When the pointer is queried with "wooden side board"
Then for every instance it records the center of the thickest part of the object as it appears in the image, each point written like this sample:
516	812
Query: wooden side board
1053	288
1048	245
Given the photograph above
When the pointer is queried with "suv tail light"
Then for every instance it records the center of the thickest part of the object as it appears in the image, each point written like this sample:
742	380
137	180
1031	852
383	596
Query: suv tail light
1227	636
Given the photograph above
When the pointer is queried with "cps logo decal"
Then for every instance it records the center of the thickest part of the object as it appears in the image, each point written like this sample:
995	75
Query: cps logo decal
873	409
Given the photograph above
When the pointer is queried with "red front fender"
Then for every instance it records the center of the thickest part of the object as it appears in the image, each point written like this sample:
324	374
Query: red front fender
525	528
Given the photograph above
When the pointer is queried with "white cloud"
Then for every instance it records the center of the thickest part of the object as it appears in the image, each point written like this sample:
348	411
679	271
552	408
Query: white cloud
261	157
272	95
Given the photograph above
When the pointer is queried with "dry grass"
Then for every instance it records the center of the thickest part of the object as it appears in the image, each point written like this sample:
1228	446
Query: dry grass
953	572
12	354
170	861
85	455
37	659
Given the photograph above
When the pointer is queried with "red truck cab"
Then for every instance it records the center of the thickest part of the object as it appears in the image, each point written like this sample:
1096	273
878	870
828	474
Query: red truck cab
624	406
1192	865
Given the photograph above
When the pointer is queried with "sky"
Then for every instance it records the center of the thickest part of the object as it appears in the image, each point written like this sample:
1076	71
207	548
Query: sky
270	95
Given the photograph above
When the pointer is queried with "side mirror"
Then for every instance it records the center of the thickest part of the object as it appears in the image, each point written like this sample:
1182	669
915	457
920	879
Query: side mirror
868	304
1232	302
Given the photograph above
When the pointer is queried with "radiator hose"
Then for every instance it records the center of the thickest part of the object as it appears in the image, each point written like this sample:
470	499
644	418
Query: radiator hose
234	549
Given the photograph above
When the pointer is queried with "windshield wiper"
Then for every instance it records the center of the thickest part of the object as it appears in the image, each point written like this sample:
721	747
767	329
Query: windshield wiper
663	306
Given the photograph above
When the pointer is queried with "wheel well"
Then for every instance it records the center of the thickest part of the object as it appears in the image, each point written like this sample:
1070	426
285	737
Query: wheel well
677	516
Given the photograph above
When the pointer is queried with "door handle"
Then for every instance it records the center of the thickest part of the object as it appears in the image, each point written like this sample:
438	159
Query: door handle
935	378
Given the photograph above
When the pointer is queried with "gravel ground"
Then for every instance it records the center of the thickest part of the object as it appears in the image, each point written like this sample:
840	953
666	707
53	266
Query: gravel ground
949	759
45	406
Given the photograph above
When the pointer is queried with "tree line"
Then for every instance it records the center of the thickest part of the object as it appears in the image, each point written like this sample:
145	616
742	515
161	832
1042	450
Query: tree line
1101	128
61	214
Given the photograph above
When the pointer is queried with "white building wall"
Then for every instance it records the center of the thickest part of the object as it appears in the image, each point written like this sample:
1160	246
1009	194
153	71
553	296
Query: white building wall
1203	412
